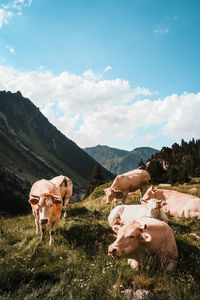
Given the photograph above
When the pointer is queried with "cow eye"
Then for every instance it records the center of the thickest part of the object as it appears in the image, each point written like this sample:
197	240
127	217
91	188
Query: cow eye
131	237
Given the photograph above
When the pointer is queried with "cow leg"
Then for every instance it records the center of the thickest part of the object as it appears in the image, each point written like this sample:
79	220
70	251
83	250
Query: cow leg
37	224
52	231
65	207
133	263
42	228
124	197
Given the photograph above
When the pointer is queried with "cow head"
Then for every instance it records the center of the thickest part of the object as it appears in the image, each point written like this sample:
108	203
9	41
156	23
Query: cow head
129	238
109	195
153	193
45	204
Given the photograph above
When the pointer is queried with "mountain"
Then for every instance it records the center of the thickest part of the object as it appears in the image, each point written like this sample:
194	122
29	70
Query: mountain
31	148
120	161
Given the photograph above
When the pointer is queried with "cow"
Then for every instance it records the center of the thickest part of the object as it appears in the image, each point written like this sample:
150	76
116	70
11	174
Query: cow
177	204
122	214
128	182
138	238
46	203
66	186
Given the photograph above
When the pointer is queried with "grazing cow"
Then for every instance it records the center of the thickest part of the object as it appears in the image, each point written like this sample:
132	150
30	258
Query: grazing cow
126	213
46	203
128	182
145	236
66	186
177	204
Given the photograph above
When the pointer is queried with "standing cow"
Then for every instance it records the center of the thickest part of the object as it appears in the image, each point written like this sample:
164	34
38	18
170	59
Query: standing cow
128	182
46	203
145	236
177	204
65	185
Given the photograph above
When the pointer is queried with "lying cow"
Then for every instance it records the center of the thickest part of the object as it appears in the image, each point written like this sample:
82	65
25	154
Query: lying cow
177	204
126	213
145	236
46	203
65	185
128	182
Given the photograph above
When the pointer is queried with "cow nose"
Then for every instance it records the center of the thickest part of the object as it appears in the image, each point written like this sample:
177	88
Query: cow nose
44	221
112	251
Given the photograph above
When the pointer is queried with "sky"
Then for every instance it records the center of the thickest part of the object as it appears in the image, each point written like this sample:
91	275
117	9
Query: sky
122	73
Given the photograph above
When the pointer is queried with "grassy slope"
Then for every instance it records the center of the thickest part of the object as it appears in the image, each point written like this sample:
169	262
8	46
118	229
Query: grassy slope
77	266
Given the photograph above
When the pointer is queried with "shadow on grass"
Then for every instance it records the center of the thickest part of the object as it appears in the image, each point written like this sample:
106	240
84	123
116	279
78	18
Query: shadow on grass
189	258
87	237
82	211
178	228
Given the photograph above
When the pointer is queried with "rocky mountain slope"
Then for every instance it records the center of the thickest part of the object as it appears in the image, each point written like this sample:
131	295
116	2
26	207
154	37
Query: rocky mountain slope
120	161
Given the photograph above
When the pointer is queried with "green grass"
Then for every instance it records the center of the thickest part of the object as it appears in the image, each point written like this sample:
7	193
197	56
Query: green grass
77	265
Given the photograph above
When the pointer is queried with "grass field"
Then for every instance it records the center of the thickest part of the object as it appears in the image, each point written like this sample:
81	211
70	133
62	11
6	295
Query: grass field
77	265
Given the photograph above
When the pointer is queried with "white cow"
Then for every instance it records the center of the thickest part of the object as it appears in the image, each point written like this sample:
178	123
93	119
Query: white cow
128	182
177	204
125	213
136	239
66	186
46	203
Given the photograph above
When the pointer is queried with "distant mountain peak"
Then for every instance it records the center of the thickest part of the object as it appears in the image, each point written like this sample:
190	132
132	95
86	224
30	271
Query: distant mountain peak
119	161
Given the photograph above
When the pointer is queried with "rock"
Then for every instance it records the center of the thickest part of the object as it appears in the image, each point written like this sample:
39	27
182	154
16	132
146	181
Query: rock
164	185
142	295
193	190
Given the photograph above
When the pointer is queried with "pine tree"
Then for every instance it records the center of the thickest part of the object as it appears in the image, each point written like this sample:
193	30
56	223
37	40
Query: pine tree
141	164
96	180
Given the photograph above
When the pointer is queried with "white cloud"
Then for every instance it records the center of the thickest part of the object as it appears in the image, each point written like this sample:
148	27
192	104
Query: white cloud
11	49
5	16
102	111
7	12
161	30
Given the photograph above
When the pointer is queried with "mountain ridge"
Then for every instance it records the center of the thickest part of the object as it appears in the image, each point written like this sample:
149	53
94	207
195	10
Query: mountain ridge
120	161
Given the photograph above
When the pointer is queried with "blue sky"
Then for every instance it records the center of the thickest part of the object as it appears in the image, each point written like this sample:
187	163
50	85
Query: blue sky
125	73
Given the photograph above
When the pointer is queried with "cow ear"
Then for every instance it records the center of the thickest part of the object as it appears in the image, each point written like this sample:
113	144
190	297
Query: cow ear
116	228
33	201
145	237
57	200
105	190
143	227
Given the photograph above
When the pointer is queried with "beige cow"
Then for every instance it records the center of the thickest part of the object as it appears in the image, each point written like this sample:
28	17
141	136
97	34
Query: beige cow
46	203
126	213
177	204
128	182
145	236
66	186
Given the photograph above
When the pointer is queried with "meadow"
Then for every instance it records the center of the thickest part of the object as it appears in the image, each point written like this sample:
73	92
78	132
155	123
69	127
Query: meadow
77	265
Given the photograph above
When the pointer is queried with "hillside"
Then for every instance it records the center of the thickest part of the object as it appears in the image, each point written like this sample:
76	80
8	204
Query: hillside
31	148
77	265
120	161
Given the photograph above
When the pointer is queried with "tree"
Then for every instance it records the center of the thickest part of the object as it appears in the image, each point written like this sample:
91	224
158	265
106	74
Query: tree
173	175
156	171
96	180
141	164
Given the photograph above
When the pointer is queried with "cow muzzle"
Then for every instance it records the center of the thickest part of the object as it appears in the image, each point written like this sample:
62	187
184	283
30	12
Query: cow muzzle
44	221
112	252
